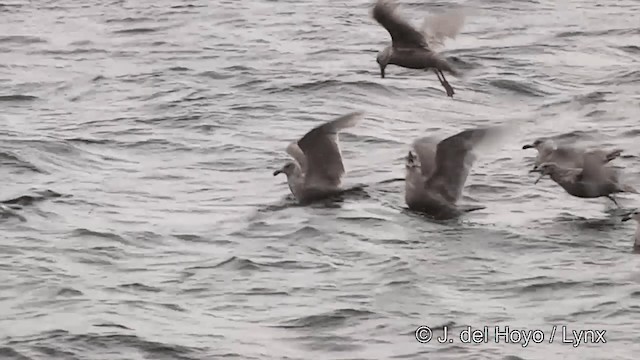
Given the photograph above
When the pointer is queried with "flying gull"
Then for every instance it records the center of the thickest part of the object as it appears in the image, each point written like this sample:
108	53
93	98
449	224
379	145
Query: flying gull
409	47
594	180
636	216
566	156
437	172
317	169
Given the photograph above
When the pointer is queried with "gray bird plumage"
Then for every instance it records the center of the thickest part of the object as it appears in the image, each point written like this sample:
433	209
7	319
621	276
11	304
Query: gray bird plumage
595	179
437	172
409	47
317	168
566	156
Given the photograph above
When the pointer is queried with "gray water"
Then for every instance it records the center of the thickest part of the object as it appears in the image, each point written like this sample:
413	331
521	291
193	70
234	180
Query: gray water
141	137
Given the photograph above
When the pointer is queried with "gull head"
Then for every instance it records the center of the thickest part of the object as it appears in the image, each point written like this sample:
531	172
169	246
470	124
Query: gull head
383	59
412	161
635	215
545	169
288	169
538	144
542	145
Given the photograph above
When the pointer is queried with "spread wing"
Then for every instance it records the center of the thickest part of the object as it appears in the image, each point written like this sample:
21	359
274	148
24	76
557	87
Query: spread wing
454	157
403	35
439	27
322	154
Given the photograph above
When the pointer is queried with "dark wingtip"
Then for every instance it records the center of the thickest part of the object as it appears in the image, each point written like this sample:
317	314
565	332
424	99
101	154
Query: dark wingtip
382	9
277	172
528	146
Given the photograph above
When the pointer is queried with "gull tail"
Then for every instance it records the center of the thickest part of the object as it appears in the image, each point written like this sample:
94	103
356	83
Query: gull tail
437	28
443	65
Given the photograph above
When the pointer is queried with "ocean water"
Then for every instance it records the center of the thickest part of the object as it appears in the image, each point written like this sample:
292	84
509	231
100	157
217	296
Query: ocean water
139	139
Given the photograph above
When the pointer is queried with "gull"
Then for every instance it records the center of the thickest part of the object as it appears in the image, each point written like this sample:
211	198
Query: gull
435	175
409	47
594	180
565	156
317	169
635	216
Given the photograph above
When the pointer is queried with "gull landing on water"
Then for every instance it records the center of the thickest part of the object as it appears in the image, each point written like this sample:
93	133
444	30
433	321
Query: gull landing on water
593	180
436	171
566	156
317	169
414	49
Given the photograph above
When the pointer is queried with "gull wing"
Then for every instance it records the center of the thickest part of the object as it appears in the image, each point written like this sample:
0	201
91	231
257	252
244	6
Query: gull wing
403	35
455	156
324	167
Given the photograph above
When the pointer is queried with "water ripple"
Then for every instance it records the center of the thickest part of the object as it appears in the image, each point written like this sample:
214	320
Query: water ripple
140	217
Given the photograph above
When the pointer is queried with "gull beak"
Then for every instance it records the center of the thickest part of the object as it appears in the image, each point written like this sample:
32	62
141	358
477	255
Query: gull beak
528	146
628	216
382	71
540	177
279	171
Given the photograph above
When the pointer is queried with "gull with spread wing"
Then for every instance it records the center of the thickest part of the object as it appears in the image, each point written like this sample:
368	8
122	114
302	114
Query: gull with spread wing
436	171
595	179
317	168
414	49
566	156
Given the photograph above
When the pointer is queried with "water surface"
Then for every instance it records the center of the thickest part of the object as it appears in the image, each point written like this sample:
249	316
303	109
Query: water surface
145	134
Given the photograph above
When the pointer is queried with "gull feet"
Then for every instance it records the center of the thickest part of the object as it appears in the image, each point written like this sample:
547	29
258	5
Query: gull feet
448	88
444	82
